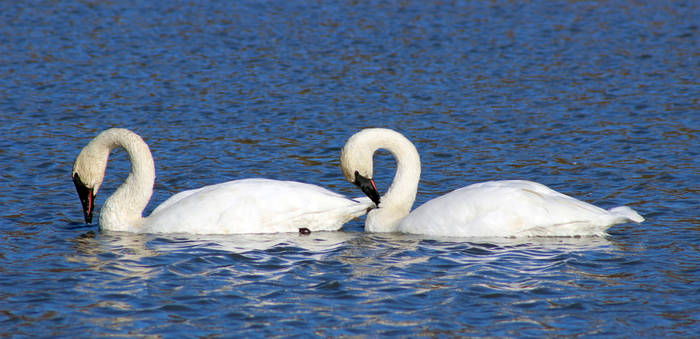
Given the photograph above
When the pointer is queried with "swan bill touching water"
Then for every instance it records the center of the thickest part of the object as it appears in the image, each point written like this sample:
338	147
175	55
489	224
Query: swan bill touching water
509	208
234	207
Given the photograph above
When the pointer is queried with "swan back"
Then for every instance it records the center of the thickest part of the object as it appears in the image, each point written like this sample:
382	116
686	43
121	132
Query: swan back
511	208
254	206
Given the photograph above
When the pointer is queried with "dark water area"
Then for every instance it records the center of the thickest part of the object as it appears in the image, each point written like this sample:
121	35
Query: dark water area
596	100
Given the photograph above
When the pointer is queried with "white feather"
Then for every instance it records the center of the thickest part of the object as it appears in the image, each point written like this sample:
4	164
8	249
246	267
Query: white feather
241	206
511	208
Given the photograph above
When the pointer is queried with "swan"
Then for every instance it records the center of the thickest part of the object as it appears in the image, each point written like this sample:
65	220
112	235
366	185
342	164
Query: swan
234	207
510	208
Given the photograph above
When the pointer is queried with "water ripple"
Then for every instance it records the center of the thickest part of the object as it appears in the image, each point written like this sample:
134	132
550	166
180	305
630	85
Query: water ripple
599	102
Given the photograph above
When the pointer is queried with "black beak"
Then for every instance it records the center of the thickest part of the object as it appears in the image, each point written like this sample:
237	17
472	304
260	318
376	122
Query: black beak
367	186
87	198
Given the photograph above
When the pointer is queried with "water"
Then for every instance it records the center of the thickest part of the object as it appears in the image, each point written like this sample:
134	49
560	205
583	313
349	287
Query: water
596	100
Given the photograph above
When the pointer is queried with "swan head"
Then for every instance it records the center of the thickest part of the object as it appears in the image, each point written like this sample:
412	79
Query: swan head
88	174
356	163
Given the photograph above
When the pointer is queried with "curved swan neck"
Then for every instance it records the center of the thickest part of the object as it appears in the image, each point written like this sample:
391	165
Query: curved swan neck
123	210
402	192
399	198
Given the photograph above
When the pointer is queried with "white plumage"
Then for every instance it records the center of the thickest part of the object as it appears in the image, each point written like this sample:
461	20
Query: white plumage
510	208
254	206
240	206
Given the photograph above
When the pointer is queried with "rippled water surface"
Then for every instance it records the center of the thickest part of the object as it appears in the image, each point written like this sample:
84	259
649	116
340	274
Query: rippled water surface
596	100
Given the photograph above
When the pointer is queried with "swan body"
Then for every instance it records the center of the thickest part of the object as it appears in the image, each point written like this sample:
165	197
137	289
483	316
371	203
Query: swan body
510	208
234	207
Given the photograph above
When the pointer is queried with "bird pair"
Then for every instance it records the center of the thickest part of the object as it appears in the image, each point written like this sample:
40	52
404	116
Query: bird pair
495	208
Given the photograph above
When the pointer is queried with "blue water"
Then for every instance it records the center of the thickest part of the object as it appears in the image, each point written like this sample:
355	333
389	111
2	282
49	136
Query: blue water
596	100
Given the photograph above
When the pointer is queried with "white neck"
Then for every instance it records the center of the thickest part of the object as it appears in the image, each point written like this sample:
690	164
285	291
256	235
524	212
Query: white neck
123	210
398	200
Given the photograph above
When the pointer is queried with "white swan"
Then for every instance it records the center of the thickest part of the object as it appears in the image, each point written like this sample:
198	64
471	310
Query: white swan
495	208
240	206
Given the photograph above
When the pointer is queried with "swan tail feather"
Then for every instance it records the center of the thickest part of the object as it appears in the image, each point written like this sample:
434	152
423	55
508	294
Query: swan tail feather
626	213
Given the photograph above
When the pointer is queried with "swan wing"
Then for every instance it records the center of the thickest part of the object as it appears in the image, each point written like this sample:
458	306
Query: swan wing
511	208
254	206
175	198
